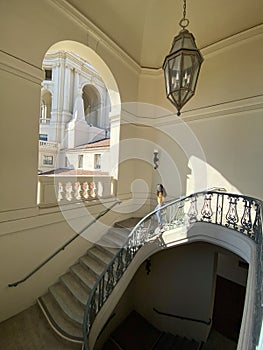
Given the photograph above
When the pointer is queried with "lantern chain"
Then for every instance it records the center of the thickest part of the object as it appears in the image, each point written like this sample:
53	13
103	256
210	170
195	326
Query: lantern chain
184	11
184	21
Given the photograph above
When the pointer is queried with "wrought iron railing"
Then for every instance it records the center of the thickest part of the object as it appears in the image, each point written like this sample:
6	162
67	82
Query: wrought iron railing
234	211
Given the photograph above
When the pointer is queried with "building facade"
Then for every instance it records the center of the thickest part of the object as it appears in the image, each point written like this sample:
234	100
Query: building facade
74	112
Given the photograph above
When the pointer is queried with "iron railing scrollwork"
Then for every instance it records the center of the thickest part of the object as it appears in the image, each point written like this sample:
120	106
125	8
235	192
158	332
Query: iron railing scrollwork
234	211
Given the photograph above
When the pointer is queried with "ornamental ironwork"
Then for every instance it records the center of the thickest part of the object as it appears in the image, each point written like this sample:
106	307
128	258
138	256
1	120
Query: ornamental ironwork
236	212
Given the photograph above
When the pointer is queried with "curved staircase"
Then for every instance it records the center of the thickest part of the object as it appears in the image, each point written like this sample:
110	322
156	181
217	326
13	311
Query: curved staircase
135	332
63	305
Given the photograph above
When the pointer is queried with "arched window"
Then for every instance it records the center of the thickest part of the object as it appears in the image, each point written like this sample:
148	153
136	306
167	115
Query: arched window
84	74
45	108
92	105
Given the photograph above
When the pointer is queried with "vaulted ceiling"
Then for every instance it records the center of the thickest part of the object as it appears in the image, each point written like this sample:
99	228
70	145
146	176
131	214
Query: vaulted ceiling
144	29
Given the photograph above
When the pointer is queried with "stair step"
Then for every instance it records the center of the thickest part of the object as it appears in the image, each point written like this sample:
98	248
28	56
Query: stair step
112	241
165	342
102	256
119	232
169	341
92	265
67	302
107	243
135	332
59	320
86	278
128	223
111	345
75	288
110	251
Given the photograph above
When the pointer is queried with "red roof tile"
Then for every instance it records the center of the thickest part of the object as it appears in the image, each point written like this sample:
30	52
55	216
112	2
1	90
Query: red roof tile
97	144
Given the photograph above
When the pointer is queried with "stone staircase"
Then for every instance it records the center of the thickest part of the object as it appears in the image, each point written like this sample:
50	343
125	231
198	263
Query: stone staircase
64	303
135	332
169	341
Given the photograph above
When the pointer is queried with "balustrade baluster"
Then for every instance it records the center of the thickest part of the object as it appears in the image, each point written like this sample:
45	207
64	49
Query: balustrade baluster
232	216
246	222
85	190
77	189
92	189
180	214
207	211
110	281
60	192
192	213
120	265
127	256
69	191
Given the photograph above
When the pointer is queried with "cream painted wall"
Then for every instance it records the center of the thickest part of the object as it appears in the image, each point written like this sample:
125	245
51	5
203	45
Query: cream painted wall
28	29
181	282
26	243
32	40
233	151
19	141
225	117
22	251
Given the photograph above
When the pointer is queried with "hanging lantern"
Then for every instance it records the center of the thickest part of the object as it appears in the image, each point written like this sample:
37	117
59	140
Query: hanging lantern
181	66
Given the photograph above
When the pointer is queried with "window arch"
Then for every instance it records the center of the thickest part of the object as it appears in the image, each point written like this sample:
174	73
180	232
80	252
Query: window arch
45	107
92	105
100	100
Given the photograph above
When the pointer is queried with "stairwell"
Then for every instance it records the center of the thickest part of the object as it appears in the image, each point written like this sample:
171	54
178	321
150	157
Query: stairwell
135	332
63	305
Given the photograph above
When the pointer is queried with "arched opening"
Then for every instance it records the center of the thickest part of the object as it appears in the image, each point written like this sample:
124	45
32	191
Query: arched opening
78	102
96	106
45	108
92	104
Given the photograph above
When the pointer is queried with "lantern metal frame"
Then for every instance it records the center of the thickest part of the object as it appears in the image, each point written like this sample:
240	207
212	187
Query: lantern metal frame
182	66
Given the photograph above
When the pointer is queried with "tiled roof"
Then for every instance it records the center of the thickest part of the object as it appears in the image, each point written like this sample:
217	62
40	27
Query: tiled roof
97	144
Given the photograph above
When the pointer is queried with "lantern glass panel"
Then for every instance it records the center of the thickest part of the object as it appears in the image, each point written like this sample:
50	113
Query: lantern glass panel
174	72
195	71
186	70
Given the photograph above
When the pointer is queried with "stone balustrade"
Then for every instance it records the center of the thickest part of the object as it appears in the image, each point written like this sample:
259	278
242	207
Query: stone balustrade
48	145
45	121
59	189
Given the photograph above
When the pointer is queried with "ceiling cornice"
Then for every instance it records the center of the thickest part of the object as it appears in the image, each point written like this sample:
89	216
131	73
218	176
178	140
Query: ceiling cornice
95	36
